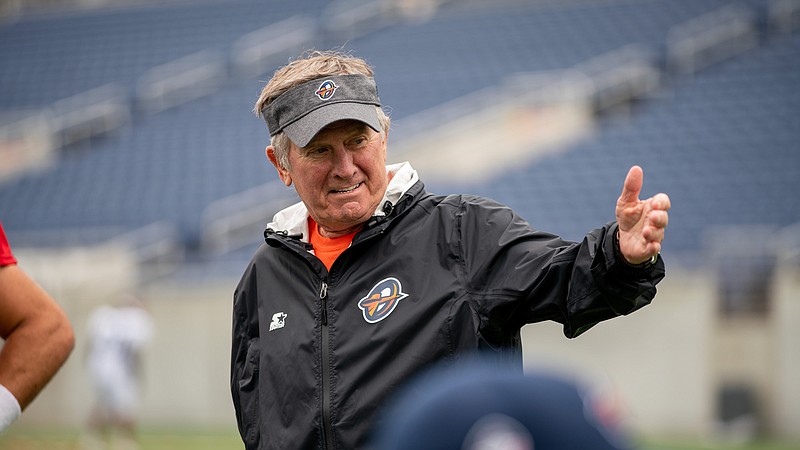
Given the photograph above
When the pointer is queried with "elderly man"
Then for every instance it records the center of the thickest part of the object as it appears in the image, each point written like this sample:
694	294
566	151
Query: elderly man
370	279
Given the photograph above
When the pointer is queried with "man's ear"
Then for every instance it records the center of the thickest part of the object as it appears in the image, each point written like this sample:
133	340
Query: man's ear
282	172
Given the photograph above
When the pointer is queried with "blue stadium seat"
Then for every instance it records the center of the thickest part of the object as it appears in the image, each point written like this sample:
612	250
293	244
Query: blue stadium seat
719	143
724	144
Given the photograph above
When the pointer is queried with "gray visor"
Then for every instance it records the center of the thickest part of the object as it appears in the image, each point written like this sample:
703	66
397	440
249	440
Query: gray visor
302	111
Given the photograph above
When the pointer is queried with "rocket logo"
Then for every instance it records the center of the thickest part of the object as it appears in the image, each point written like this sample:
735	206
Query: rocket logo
326	90
382	300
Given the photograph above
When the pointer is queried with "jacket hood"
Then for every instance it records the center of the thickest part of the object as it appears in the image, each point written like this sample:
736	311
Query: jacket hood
293	221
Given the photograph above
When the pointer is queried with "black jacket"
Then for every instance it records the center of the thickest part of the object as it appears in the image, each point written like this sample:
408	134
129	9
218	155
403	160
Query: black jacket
315	353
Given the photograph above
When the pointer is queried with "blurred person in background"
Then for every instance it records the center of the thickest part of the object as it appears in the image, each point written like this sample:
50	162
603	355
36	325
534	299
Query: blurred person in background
37	336
370	279
117	336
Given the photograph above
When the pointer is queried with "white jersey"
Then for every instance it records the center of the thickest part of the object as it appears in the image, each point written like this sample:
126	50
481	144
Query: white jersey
117	335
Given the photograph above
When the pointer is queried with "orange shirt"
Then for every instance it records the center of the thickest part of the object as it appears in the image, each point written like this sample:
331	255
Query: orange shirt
326	249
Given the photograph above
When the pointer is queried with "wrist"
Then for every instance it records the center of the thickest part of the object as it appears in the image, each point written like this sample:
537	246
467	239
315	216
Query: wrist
9	408
641	265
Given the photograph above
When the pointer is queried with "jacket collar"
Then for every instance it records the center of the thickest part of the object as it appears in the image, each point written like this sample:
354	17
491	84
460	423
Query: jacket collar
293	221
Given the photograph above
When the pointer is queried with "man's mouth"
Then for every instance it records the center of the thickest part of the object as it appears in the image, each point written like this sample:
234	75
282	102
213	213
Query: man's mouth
346	190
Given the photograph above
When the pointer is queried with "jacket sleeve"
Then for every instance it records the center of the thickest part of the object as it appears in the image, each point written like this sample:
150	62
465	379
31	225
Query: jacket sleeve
245	358
518	275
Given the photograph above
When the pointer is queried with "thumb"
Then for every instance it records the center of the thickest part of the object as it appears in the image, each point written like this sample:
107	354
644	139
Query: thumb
632	186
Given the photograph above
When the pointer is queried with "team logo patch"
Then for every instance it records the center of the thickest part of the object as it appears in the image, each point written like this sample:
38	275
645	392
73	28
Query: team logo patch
326	90
381	300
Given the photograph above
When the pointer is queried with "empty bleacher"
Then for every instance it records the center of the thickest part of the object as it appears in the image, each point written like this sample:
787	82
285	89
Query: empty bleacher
459	52
725	145
165	166
52	56
731	126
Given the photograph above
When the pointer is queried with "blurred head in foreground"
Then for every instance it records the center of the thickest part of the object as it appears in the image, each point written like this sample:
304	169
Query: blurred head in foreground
478	407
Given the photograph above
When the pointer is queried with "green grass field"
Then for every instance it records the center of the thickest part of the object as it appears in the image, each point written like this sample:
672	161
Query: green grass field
677	444
148	440
229	440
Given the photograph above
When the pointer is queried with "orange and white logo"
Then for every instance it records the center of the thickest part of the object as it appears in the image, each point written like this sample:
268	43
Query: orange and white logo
326	90
381	300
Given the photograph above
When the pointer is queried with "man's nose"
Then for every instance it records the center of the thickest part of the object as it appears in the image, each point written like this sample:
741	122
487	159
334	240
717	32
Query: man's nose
343	164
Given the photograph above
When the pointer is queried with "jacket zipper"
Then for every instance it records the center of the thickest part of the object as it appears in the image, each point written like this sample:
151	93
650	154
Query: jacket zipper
327	422
326	370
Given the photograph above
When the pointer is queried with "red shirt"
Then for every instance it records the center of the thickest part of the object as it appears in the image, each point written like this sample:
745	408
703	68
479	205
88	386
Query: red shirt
6	257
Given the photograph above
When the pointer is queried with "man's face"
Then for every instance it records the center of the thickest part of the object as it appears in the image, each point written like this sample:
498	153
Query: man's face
340	175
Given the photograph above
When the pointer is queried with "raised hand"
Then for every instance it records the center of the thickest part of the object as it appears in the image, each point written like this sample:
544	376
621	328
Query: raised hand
641	222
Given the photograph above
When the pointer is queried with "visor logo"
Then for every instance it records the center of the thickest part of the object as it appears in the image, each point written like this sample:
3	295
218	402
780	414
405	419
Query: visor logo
326	90
382	300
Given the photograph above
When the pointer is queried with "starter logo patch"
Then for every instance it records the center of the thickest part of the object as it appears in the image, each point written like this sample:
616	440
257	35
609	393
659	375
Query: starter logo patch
326	90
382	300
278	321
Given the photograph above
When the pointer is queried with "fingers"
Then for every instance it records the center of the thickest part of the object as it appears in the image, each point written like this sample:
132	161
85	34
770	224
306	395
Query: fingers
661	202
657	212
632	186
657	219
653	234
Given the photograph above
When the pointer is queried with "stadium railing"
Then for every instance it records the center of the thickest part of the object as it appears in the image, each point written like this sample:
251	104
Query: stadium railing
711	38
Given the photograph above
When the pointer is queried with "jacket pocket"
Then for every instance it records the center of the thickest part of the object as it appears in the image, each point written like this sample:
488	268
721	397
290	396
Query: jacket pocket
248	397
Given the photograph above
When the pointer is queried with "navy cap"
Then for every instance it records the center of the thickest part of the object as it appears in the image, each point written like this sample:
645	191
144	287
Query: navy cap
305	109
472	407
